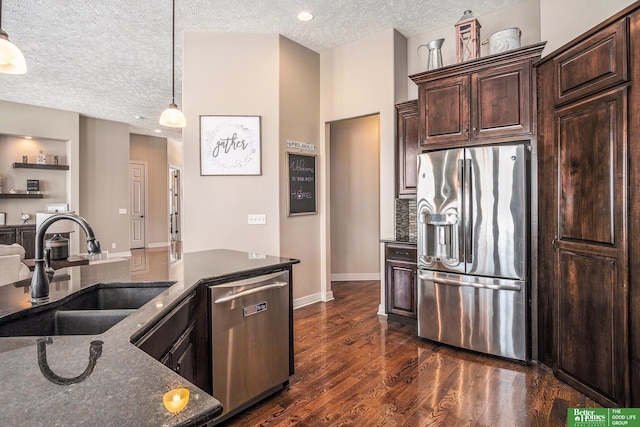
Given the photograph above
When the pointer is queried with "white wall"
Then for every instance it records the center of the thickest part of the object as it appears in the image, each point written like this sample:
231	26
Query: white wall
53	183
524	15
21	119
358	79
299	104
231	74
562	21
104	182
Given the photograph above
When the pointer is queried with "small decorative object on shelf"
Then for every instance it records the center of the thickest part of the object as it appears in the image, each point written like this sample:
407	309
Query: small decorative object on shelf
25	159
25	217
55	160
33	185
435	53
468	37
41	159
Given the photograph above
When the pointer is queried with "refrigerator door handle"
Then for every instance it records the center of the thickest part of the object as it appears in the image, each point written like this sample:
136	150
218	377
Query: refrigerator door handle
497	287
461	224
468	212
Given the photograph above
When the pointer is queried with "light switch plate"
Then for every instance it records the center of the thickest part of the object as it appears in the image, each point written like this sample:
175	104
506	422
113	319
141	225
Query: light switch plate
256	219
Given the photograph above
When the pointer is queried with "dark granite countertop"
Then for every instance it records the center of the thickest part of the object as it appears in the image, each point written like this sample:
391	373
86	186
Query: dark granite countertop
398	241
127	385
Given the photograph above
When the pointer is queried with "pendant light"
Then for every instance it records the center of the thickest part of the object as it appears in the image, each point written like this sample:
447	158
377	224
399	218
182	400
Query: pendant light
172	116
11	59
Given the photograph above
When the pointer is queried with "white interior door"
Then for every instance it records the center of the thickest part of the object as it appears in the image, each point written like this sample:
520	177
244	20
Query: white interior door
137	204
174	204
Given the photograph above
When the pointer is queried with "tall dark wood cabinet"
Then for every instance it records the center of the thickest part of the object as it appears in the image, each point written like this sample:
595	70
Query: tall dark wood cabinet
589	209
408	148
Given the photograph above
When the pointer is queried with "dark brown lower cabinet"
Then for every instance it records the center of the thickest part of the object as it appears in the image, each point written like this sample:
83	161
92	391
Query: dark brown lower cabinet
401	283
179	340
24	235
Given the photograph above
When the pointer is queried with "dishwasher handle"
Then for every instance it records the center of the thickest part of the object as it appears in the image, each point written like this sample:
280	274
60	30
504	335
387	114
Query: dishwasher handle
250	291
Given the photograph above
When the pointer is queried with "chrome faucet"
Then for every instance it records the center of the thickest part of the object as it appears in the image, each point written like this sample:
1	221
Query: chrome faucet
43	273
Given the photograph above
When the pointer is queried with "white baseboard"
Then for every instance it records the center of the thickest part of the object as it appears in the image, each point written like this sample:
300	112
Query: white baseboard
381	310
312	299
108	254
158	245
354	277
119	254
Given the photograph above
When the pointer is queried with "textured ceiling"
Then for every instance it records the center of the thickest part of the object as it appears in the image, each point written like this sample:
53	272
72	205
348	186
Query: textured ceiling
111	59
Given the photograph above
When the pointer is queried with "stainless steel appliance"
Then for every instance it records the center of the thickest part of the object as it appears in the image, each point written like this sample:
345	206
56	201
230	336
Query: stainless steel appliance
473	206
249	339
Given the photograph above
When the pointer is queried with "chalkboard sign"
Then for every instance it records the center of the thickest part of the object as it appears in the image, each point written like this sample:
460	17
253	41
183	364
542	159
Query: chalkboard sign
302	184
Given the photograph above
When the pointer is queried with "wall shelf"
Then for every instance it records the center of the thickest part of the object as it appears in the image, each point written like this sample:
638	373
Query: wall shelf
21	196
38	166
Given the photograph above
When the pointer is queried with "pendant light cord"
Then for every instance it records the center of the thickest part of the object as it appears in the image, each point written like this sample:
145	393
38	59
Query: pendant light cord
173	54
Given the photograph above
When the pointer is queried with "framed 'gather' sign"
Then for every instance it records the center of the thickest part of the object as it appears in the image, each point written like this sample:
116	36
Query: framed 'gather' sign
230	145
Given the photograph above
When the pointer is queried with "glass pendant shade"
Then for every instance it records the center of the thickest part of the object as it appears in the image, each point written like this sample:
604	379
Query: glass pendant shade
11	58
173	117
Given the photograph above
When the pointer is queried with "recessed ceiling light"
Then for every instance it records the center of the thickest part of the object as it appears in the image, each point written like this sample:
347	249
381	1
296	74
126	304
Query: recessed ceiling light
158	131
28	137
305	16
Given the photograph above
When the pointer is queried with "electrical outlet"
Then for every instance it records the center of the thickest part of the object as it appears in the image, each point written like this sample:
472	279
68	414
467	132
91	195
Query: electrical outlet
113	246
122	210
256	255
256	219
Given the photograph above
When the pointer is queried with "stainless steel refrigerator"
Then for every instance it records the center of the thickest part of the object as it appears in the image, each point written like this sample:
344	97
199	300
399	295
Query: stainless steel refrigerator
473	217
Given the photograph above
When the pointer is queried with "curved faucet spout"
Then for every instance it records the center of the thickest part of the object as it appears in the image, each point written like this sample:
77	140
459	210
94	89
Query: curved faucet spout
42	273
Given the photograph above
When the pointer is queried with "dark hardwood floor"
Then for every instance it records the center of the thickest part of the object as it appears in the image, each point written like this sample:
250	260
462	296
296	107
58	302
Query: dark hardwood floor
352	368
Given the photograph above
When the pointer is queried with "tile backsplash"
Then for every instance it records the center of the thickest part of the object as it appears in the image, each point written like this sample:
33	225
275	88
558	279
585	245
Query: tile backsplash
406	220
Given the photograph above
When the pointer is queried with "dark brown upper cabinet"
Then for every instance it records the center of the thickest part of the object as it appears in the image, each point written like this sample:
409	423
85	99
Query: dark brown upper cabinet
488	99
594	64
407	149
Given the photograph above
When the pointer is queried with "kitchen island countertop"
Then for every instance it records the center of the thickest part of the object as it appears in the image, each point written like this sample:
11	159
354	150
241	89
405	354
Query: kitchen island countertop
127	385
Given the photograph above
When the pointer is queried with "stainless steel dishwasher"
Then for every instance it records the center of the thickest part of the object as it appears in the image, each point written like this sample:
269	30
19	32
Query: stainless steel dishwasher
249	339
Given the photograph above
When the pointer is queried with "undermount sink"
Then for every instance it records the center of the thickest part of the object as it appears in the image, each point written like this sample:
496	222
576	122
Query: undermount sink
90	311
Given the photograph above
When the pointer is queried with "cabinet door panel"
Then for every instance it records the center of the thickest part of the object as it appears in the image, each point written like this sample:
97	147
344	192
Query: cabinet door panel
589	314
408	148
401	288
598	62
501	101
7	236
183	355
589	154
27	238
444	110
